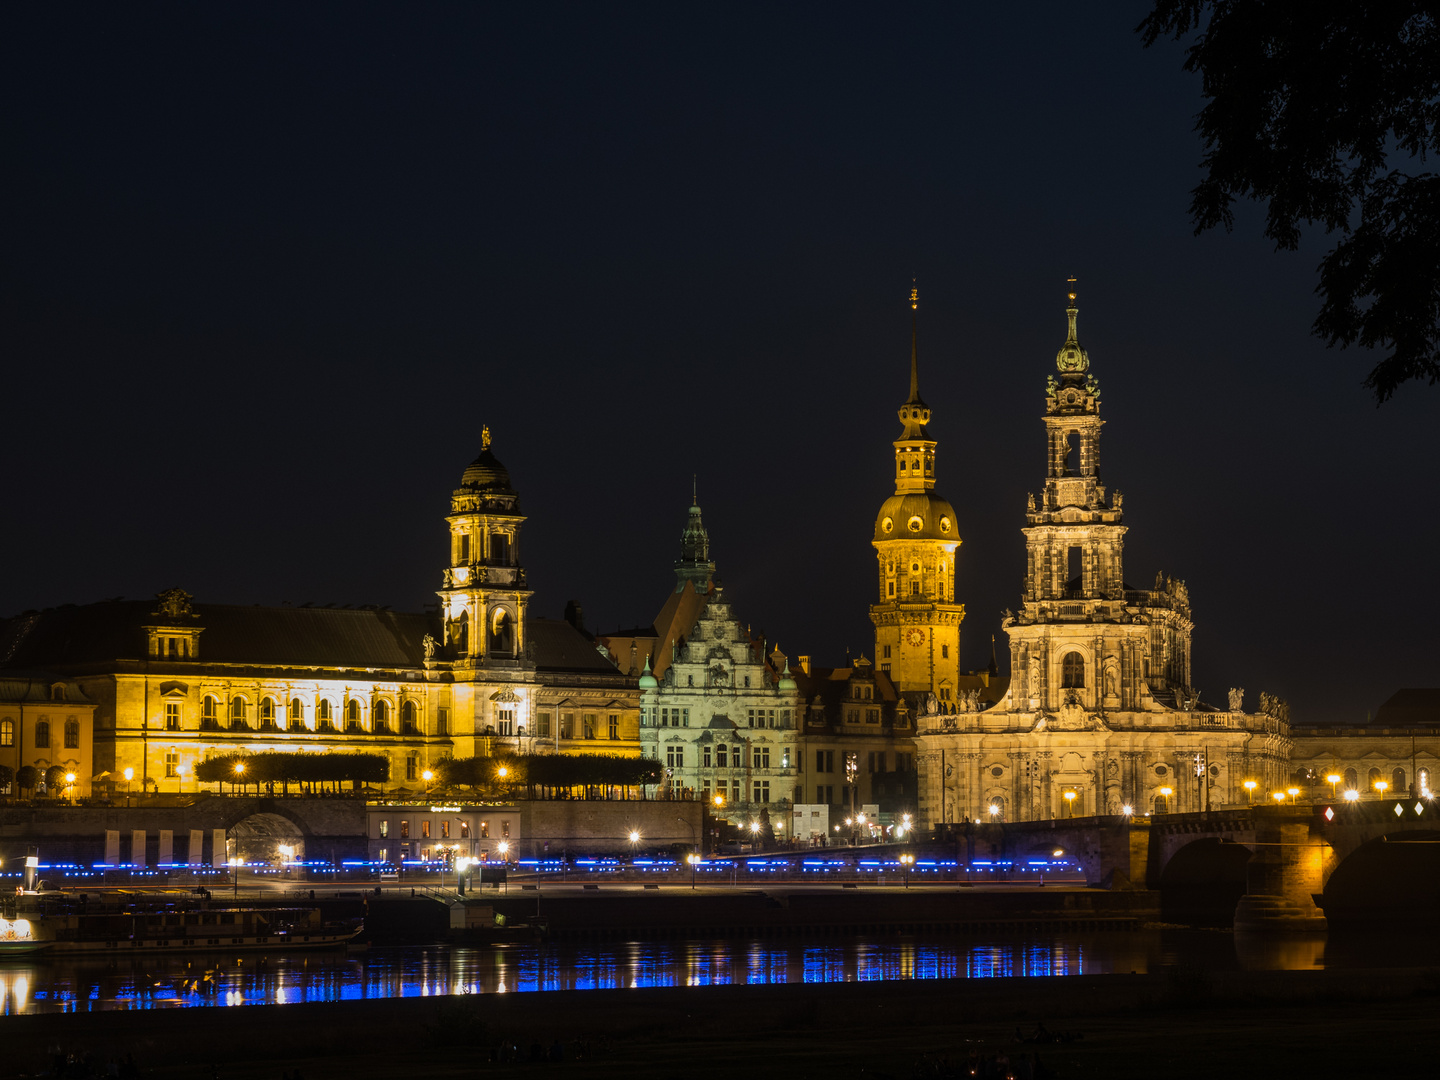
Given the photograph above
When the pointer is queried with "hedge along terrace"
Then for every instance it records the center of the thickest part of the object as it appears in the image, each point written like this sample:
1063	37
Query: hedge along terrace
552	776
312	772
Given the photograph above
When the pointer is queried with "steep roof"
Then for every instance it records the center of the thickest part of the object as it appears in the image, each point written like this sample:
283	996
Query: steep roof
1411	707
90	634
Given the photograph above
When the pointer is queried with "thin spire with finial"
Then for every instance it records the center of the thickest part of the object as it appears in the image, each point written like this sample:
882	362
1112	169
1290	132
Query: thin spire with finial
694	489
914	346
1071	310
485	438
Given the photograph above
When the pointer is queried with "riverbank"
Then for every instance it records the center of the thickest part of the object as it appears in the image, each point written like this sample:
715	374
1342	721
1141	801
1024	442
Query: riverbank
1178	1024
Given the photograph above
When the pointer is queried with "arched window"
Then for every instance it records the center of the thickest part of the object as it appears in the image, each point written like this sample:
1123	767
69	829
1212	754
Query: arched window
209	709
1352	780
267	711
996	810
1072	670
502	636
323	710
1158	806
1397	781
72	734
352	713
407	717
297	711
7	732
1372	778
237	711
1422	776
382	714
42	735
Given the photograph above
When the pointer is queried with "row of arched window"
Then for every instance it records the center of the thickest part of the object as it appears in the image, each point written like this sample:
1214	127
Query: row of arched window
268	713
1394	780
42	734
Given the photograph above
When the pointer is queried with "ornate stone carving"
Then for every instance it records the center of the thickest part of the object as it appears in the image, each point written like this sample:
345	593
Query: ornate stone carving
1237	698
174	603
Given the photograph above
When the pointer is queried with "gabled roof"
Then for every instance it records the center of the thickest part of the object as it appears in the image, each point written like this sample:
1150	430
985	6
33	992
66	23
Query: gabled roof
1411	707
91	634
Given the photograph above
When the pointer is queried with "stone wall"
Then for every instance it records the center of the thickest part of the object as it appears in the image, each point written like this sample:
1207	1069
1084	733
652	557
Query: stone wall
574	827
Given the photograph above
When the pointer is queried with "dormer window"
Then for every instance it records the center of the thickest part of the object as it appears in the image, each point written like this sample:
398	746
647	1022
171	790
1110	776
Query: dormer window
57	692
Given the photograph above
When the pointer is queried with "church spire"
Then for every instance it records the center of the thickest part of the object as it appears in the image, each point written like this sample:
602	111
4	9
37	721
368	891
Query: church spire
694	563
914	398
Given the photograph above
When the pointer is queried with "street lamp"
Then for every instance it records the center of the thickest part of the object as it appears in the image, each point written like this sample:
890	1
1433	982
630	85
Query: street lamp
240	772
994	809
427	776
906	861
1292	792
1165	794
129	775
634	840
1070	804
1351	795
692	859
1127	810
180	771
504	849
754	837
1250	787
1332	780
70	785
1278	796
1382	787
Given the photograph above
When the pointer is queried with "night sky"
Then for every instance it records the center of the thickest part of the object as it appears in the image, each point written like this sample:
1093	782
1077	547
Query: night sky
267	272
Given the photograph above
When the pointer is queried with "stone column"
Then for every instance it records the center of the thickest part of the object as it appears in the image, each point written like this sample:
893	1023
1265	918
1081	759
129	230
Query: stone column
1282	879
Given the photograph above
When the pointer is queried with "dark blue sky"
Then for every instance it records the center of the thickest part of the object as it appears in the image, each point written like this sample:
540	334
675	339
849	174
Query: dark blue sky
267	273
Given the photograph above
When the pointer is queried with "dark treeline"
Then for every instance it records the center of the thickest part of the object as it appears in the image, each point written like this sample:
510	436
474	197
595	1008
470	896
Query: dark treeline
551	776
306	770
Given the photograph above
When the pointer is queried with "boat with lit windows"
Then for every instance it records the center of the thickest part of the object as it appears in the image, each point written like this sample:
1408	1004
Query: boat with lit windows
72	926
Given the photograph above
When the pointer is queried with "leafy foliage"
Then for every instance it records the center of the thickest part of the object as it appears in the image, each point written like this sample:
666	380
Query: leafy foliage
7	776
27	776
54	778
1326	111
295	768
548	772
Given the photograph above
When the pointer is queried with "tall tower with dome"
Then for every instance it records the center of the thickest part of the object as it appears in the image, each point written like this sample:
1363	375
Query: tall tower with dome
917	621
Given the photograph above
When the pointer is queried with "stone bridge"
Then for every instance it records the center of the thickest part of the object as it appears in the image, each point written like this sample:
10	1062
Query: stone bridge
151	835
1269	864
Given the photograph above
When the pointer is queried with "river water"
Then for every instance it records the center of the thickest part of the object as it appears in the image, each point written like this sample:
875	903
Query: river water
82	985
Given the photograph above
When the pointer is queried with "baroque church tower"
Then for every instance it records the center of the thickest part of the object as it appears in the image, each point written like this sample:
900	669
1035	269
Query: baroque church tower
917	622
1099	714
484	605
1083	637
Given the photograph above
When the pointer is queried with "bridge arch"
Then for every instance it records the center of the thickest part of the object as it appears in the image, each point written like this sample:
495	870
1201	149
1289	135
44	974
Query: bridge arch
1389	880
1202	881
261	827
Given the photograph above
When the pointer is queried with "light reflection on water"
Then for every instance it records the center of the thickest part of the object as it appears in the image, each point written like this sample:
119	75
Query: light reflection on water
105	983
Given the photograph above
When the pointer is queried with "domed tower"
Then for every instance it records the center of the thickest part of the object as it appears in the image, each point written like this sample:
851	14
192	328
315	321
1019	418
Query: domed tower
484	598
917	622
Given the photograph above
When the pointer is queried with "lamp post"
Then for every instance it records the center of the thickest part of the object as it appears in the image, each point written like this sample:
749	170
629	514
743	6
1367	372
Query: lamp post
239	772
719	801
1279	797
427	776
70	786
1250	787
692	859
906	861
1332	780
634	839
1165	794
180	771
1070	804
754	837
1381	786
129	775
1292	792
1351	795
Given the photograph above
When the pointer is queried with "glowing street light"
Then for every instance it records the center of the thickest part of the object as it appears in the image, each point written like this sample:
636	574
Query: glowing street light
1382	787
634	837
1292	792
503	848
994	809
1351	795
502	772
906	861
1127	810
1070	804
1332	780
239	771
70	785
1250	787
427	776
180	771
1165	793
129	775
719	801
1278	796
692	859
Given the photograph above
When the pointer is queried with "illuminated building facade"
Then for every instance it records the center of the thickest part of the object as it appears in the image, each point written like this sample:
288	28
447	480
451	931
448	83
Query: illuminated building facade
715	709
1099	712
46	722
917	621
174	682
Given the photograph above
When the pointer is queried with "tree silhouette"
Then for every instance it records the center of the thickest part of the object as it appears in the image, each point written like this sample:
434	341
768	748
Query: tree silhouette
1326	110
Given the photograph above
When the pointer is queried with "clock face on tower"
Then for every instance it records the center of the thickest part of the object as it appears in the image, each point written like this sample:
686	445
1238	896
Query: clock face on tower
915	637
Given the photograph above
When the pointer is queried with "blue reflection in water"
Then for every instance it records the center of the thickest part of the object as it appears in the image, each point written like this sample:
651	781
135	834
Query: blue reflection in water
162	982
